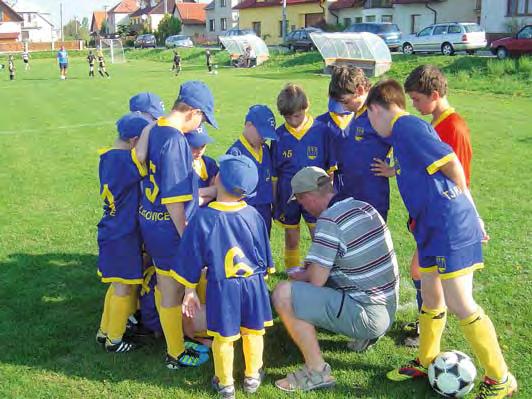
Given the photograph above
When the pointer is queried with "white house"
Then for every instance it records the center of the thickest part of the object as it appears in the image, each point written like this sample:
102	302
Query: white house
10	24
220	17
37	27
119	14
499	17
150	13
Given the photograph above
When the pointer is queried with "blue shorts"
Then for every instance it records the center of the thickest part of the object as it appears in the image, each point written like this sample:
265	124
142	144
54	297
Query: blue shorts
63	65
161	241
265	211
288	214
120	261
454	263
238	306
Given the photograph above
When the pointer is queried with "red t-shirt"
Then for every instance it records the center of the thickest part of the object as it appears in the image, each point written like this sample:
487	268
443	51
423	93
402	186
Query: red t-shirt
453	130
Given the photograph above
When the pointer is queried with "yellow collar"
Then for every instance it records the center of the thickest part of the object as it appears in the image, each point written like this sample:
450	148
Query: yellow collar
396	117
361	111
103	150
444	115
163	122
342	121
302	130
249	147
228	206
200	168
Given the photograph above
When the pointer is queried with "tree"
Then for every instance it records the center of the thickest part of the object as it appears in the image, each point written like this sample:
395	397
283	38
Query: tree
73	30
168	26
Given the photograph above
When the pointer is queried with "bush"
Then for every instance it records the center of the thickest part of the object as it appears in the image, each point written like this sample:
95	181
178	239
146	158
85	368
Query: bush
525	65
501	67
168	26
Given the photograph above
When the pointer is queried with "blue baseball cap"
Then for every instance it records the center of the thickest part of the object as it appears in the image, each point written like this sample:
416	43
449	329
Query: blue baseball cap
197	95
264	121
238	175
199	137
147	102
337	107
131	125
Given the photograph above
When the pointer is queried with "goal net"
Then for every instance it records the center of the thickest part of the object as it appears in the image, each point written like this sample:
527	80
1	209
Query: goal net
112	50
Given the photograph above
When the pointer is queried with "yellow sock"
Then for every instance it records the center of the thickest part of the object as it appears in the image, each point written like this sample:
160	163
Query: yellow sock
172	324
291	258
104	323
253	346
223	354
480	333
431	326
118	314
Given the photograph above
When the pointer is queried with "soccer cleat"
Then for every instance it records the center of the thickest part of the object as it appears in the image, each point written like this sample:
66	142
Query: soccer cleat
411	370
196	346
101	337
125	345
226	392
490	389
189	358
251	385
361	345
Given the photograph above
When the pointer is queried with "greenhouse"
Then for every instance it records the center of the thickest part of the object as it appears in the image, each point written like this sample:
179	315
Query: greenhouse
245	50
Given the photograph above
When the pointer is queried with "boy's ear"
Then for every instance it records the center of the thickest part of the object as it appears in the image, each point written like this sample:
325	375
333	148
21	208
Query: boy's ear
435	95
360	91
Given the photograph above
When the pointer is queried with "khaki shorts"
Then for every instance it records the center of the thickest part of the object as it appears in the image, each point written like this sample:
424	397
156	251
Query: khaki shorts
322	307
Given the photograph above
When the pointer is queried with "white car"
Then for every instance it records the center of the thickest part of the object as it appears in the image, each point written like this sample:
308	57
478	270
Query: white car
178	41
446	38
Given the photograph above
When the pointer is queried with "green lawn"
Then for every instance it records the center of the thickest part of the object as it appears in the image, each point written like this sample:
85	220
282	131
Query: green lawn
50	296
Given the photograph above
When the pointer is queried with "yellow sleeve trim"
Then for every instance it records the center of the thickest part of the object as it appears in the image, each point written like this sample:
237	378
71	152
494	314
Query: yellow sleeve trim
435	166
141	168
179	198
332	169
275	178
103	150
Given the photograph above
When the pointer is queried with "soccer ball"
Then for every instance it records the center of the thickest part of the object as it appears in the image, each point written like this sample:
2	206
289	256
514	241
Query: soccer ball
216	72
452	374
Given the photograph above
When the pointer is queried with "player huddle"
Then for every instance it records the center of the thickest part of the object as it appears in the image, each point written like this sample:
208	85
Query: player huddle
187	239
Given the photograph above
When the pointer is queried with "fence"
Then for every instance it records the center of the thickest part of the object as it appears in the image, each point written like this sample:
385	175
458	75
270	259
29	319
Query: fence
14	47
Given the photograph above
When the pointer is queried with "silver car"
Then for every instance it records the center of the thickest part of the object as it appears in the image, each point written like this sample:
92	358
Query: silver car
446	38
178	41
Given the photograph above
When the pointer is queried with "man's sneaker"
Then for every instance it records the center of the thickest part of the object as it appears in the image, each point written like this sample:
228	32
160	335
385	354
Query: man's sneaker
226	392
101	337
251	385
125	345
196	346
411	370
361	345
490	389
189	358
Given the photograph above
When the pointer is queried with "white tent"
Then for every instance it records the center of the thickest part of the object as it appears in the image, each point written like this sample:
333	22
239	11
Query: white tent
363	50
236	46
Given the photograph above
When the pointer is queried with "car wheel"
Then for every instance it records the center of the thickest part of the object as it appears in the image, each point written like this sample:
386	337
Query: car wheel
502	53
470	52
408	49
290	47
447	49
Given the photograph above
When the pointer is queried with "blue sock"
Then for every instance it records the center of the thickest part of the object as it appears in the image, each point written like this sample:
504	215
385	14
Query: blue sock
417	284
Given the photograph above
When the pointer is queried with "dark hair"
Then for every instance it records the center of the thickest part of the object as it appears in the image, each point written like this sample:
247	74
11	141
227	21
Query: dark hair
292	99
426	79
346	80
385	93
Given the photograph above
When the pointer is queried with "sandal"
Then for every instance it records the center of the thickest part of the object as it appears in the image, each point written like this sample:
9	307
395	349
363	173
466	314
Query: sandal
307	380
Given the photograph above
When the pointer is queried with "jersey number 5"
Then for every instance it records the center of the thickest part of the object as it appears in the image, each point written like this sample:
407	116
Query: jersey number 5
151	193
232	268
108	197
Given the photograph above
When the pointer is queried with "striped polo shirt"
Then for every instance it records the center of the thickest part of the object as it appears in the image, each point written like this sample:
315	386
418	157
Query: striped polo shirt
354	242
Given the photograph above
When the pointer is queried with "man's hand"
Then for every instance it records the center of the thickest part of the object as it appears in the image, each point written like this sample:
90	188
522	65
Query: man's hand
191	303
381	168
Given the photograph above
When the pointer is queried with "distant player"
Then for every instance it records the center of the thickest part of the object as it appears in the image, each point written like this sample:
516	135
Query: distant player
11	67
208	58
101	65
26	60
91	59
176	66
119	241
62	60
230	239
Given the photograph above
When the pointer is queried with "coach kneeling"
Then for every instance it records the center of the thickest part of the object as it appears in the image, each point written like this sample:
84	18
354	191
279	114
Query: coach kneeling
350	281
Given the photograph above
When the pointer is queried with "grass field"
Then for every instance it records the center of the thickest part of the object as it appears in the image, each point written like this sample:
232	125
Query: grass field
50	297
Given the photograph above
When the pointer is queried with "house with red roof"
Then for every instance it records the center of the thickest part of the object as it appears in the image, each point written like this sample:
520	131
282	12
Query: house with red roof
150	13
119	14
192	17
10	24
97	22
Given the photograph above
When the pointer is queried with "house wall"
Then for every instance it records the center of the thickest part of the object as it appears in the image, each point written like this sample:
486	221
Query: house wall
196	32
38	29
116	19
270	18
494	18
217	14
155	19
10	27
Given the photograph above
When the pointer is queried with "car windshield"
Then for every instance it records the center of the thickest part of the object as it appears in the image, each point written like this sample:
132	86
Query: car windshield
388	28
472	28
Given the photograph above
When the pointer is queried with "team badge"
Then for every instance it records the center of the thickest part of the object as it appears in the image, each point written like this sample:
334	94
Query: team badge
359	134
312	152
442	263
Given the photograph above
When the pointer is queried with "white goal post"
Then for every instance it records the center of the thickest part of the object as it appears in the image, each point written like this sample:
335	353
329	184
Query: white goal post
113	50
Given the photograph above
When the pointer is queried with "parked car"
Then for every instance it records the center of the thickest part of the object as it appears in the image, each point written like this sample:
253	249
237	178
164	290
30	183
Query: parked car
235	32
446	38
299	39
178	41
516	45
145	41
388	32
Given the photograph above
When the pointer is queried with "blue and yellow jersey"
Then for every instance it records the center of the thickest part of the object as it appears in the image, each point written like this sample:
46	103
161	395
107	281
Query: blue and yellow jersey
355	150
337	123
171	177
263	161
206	169
309	146
445	217
120	173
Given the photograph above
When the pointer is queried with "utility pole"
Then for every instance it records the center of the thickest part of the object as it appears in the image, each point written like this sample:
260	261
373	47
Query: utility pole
106	30
284	21
61	16
165	7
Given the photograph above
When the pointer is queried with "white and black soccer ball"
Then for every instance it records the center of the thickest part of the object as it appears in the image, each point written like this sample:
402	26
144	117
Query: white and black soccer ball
452	374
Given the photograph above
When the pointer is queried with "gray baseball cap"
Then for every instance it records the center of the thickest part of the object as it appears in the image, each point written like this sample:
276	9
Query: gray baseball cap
308	179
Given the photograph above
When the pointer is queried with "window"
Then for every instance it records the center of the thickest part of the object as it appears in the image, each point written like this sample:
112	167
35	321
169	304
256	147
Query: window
426	31
212	25
281	28
256	28
378	3
440	30
1	15
347	22
223	24
386	18
358	20
455	29
370	18
223	3
525	33
519	7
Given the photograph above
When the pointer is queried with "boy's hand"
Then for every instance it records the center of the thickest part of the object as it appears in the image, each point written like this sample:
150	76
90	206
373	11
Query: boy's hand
381	168
485	235
191	303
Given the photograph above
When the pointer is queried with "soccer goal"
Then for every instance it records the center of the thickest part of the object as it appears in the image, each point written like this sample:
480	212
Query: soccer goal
113	50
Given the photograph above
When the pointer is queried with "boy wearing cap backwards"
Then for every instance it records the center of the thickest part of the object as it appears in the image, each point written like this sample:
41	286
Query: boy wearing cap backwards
259	127
120	260
170	199
230	238
448	233
302	141
427	87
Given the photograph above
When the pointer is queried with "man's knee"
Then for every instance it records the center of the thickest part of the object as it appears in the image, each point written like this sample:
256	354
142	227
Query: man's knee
282	296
